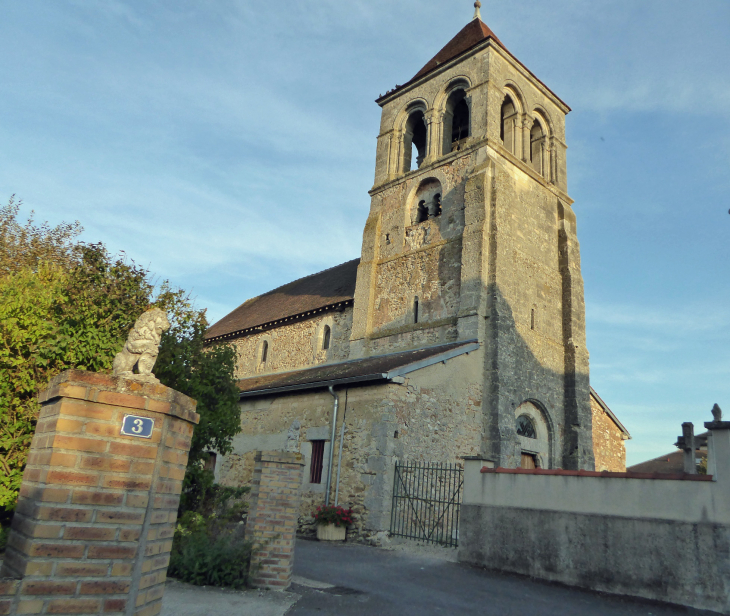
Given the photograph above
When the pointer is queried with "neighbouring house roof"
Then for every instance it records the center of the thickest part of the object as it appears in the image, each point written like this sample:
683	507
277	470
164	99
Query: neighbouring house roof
379	368
672	462
471	35
610	413
332	288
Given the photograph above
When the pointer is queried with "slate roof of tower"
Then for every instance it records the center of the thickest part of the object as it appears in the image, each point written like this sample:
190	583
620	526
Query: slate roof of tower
328	288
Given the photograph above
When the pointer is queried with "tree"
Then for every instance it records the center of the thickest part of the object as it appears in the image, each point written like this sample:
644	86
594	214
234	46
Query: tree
56	315
24	246
206	375
66	304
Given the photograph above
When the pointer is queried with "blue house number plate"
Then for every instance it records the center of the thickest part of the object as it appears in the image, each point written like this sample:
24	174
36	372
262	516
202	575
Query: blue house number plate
137	426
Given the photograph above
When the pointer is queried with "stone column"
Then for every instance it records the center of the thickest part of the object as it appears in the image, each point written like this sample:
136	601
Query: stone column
718	447
93	527
273	515
526	127
686	443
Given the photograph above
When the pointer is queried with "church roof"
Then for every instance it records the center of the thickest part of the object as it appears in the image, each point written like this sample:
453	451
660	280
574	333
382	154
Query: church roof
332	288
380	368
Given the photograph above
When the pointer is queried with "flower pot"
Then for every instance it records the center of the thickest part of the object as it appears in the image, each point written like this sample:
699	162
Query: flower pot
330	532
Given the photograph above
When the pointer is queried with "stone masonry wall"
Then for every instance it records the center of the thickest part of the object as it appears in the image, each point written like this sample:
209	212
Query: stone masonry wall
296	345
435	416
609	447
93	527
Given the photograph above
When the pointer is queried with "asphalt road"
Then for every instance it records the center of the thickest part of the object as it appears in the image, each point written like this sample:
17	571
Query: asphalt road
353	580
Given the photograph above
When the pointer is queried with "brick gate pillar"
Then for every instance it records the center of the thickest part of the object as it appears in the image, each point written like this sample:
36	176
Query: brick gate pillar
272	519
93	527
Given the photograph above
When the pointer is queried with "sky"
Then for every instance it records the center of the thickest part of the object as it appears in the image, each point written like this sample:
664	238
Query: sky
229	147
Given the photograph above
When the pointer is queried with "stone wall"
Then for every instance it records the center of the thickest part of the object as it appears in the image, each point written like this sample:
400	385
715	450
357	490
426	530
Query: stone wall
295	345
434	416
663	538
609	447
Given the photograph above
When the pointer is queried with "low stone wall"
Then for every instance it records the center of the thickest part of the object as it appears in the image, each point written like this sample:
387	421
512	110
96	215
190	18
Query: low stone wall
626	533
93	527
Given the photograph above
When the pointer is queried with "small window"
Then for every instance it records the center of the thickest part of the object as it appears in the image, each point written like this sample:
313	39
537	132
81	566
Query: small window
315	468
326	338
525	427
415	310
210	462
532	319
264	351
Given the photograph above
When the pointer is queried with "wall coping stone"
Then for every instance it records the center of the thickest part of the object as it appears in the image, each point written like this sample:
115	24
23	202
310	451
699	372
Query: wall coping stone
603	474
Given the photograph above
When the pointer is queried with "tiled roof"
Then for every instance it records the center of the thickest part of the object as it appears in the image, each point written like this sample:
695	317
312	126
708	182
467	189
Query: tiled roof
604	474
378	368
471	35
669	463
332	287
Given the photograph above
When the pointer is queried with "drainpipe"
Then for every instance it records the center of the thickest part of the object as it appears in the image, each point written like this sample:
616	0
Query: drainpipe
339	454
332	445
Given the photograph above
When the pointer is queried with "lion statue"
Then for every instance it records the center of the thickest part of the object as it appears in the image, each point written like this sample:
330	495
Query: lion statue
142	346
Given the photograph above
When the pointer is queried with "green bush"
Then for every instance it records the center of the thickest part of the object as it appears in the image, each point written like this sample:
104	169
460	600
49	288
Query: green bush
208	548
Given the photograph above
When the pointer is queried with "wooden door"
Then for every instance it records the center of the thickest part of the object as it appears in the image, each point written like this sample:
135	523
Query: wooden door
528	461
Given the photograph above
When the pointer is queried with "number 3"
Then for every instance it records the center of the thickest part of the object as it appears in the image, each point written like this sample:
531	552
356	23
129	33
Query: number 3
137	426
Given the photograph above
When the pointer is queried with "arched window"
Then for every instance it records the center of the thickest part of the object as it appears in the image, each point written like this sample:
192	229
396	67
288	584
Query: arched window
537	147
421	212
326	337
414	141
508	129
264	352
456	121
525	427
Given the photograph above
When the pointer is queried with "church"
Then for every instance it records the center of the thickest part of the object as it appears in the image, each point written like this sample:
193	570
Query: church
460	330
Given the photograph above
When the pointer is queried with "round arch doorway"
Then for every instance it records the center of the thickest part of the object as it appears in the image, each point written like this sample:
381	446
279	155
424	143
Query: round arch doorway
533	435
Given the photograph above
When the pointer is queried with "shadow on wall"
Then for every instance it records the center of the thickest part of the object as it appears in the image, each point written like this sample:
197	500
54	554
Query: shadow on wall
514	375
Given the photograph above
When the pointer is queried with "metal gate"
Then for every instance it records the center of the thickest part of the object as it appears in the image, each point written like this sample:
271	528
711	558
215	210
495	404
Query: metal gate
426	502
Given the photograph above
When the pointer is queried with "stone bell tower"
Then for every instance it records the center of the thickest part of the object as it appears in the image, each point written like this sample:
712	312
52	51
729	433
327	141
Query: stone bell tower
471	235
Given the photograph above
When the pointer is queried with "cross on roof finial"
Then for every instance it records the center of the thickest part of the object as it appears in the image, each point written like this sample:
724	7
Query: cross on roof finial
477	6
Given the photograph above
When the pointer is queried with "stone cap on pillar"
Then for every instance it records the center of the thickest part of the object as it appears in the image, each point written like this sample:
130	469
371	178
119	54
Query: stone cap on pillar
280	457
118	391
717	423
